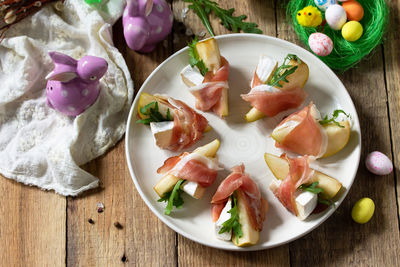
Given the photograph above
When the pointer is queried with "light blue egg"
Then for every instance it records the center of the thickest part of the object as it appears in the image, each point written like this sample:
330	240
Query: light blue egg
324	4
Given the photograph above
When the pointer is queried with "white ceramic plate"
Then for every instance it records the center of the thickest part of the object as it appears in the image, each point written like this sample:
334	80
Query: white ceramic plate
240	141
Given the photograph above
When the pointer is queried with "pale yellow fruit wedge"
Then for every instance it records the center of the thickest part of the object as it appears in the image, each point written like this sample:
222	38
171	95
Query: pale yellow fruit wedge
208	51
338	137
279	133
167	183
146	98
298	78
253	115
280	169
224	101
250	235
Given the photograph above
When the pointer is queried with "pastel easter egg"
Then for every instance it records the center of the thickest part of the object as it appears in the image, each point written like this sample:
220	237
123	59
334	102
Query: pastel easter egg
352	31
363	210
378	163
324	4
336	16
354	10
320	44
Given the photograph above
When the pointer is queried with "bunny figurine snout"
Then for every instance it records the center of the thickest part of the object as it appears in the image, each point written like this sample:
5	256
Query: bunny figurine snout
73	85
146	22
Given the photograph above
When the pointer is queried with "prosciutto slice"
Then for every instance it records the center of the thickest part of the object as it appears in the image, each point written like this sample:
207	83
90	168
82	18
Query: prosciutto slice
308	137
209	93
299	173
192	167
273	101
188	124
241	182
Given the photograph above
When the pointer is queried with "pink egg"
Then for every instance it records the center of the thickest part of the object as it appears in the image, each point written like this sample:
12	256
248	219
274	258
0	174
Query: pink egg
320	44
378	163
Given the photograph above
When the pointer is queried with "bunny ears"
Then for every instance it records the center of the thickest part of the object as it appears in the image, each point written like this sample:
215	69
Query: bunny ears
64	67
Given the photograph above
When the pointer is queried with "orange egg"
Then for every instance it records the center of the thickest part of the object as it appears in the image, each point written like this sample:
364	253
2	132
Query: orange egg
354	10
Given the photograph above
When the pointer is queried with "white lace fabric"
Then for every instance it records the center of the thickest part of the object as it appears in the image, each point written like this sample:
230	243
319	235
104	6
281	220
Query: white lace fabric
38	145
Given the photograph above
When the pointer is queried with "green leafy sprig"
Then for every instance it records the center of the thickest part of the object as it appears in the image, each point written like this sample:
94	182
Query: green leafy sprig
154	114
311	188
335	115
283	71
194	58
173	198
233	222
203	8
316	190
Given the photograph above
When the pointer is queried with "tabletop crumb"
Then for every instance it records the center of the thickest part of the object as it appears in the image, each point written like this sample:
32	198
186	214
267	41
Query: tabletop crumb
90	221
118	225
123	258
100	207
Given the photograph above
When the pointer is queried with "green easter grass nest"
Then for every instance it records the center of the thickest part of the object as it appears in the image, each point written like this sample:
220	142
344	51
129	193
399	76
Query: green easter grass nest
346	54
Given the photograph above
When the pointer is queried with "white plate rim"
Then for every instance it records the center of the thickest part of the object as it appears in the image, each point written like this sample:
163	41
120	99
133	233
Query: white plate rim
234	248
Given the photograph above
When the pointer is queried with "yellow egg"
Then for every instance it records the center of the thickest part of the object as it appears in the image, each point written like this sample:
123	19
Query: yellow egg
363	210
352	31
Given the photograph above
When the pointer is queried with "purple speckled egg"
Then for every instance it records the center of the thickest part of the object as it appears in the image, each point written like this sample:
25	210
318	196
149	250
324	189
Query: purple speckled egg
378	163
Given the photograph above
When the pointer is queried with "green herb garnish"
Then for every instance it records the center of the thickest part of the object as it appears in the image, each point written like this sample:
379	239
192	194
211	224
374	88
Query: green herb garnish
203	8
283	71
173	198
233	223
327	202
311	188
194	58
335	115
154	114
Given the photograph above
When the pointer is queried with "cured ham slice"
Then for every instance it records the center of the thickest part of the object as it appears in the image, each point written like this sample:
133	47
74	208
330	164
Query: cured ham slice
188	124
307	136
299	173
209	94
275	101
241	182
271	100
192	167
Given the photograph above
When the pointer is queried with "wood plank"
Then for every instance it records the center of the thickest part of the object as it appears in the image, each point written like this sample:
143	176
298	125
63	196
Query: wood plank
340	241
189	252
143	240
32	226
392	66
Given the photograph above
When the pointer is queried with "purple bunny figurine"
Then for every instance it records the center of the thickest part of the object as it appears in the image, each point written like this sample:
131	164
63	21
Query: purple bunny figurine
146	22
73	85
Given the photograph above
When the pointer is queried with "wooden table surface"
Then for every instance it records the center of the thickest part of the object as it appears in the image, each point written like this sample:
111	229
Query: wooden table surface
39	228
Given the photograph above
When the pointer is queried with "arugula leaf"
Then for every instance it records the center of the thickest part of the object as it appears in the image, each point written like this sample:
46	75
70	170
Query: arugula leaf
233	23
173	198
335	115
311	188
154	114
327	202
194	58
283	71
233	222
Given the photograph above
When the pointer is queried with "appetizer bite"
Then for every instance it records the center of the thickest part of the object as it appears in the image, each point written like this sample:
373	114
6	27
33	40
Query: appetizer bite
306	133
207	77
191	173
275	89
298	187
238	209
174	124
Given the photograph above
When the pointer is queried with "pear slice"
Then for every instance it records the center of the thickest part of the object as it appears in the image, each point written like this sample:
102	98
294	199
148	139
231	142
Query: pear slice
145	99
298	78
167	183
280	132
253	115
280	169
338	137
250	235
208	51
